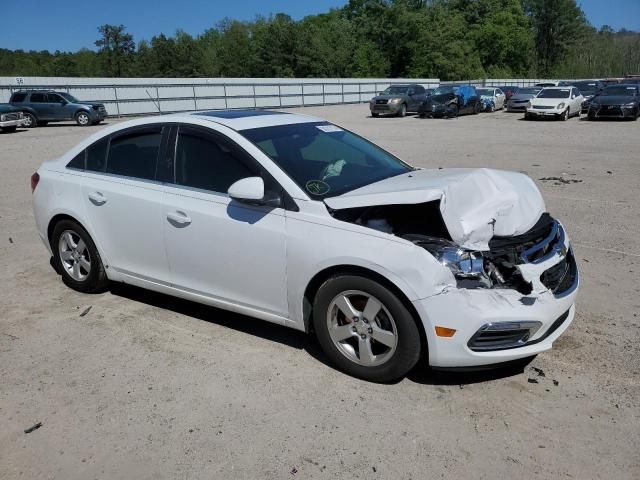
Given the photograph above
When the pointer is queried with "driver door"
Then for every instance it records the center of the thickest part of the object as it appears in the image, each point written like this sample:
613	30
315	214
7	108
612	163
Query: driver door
217	247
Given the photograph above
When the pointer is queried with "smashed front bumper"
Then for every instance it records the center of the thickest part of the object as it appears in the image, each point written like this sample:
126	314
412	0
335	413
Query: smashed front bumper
612	111
498	325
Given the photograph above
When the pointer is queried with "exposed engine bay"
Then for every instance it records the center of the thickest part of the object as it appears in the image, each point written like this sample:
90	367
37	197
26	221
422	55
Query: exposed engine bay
497	267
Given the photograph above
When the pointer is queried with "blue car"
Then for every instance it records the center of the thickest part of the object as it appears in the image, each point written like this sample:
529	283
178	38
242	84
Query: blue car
43	106
451	101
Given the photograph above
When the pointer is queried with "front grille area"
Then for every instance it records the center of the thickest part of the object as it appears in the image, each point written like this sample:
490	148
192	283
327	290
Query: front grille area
543	107
562	276
382	102
10	116
610	111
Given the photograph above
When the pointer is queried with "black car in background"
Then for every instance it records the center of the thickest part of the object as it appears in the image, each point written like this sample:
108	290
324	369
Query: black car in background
588	88
616	101
43	106
451	101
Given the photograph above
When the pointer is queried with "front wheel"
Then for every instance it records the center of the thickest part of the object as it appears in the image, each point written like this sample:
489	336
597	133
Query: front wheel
565	115
11	129
403	110
375	115
365	329
77	259
29	121
82	119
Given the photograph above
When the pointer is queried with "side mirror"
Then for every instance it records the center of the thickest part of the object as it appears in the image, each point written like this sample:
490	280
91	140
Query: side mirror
250	190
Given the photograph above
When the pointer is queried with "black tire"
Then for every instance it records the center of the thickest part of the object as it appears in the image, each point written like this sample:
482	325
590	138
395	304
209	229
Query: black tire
82	118
408	345
477	108
453	111
566	115
42	123
375	115
403	110
9	129
96	280
422	115
492	108
31	120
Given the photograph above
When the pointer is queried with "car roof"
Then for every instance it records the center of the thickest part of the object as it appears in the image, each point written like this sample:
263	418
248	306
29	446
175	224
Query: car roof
249	118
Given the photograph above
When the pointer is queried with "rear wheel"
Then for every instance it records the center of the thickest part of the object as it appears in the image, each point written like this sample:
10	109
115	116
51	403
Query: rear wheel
365	329
82	119
30	121
77	259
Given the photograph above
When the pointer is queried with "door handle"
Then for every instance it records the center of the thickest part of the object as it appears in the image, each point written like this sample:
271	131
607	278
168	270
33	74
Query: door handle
97	198
178	218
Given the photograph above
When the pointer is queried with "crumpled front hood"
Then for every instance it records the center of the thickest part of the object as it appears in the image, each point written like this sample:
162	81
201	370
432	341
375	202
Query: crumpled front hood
614	99
441	98
476	204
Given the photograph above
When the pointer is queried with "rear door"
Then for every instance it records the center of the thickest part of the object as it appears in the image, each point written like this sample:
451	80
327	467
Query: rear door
216	246
39	101
124	201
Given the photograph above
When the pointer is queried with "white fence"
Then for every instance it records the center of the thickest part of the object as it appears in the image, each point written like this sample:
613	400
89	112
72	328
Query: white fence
129	96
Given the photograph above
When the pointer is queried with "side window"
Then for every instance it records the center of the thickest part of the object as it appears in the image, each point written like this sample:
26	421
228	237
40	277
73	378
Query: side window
54	98
18	97
205	161
97	156
419	90
135	154
78	161
38	97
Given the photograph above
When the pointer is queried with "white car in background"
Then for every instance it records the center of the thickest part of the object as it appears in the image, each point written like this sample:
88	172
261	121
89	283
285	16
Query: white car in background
294	220
558	102
492	98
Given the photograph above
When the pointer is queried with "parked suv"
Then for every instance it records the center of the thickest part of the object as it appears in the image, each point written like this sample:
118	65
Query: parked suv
43	106
398	100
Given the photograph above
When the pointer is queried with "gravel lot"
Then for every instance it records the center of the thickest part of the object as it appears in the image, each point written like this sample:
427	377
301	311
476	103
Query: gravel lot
146	386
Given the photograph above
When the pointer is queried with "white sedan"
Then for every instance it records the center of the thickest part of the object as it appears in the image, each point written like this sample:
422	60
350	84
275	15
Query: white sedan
296	221
557	102
492	98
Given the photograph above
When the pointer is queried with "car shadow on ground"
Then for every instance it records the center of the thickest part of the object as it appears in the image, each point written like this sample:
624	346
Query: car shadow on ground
421	374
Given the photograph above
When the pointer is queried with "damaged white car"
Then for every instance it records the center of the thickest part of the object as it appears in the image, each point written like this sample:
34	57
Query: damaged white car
296	221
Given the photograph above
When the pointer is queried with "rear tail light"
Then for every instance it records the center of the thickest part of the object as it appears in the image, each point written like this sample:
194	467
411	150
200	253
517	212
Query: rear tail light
35	178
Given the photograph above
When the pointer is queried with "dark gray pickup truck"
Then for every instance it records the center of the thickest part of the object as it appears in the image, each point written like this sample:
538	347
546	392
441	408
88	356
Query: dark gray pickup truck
398	100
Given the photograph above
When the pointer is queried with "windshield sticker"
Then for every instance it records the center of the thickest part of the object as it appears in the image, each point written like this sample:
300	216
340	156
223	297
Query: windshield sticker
317	187
329	128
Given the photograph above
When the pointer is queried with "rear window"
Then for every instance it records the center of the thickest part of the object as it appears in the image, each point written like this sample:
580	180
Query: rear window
97	156
18	97
39	97
135	154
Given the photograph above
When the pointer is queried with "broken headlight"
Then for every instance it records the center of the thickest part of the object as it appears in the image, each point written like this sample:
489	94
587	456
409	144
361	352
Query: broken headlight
467	266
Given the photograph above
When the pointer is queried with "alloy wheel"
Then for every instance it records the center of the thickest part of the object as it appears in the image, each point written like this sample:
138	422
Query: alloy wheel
83	119
74	255
361	328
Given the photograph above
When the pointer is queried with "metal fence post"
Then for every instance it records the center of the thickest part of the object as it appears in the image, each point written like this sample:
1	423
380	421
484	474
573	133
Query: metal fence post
158	99
280	95
342	85
115	95
302	91
195	102
255	104
224	92
323	99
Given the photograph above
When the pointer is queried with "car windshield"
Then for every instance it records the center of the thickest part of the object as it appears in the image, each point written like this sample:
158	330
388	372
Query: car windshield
555	93
485	91
69	98
528	91
396	91
619	90
588	88
323	159
443	89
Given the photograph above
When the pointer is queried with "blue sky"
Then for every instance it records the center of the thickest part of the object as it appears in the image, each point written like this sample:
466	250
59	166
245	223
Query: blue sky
72	24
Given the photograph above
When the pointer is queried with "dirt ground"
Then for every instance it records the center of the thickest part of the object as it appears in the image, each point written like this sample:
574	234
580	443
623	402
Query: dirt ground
145	386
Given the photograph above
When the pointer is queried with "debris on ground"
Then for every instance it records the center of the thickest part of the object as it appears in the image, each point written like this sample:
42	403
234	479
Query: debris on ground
556	383
33	427
559	180
532	380
293	471
10	240
539	371
86	310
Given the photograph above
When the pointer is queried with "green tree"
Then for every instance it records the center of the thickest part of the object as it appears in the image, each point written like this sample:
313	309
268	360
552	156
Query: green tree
558	26
116	48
